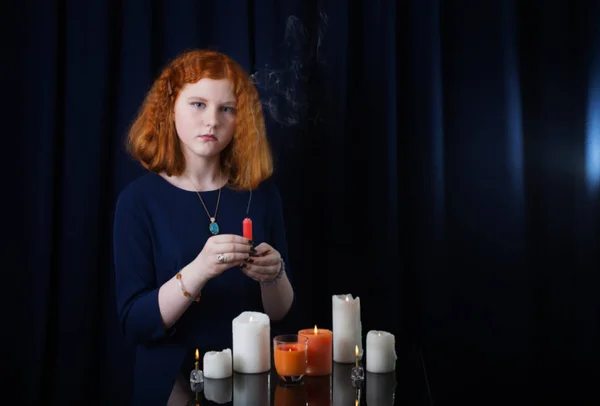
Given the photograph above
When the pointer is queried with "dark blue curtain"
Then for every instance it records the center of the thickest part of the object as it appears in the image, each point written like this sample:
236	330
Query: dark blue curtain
440	159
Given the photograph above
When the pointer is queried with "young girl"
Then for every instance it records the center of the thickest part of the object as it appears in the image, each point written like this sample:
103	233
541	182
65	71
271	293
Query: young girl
183	270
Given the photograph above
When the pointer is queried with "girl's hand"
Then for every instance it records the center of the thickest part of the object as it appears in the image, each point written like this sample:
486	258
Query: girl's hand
222	252
264	265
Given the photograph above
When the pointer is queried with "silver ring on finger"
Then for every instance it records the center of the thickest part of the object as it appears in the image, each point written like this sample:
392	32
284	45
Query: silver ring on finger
222	258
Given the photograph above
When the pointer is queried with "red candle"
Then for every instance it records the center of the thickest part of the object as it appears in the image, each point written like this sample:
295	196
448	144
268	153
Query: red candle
319	351
247	227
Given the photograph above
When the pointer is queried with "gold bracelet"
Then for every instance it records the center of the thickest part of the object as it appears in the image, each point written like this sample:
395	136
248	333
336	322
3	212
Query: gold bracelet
185	292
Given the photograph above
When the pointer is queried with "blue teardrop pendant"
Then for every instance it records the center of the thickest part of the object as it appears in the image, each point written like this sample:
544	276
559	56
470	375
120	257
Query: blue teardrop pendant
213	226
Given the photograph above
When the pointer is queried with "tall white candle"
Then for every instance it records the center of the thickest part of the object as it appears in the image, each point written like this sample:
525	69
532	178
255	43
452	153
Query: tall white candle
251	343
218	364
381	352
347	328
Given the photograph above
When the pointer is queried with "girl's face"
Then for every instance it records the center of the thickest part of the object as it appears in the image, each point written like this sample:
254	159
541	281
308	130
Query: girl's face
205	117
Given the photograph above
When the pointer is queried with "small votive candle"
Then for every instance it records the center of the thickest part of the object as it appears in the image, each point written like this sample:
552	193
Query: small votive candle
320	359
381	352
218	364
290	357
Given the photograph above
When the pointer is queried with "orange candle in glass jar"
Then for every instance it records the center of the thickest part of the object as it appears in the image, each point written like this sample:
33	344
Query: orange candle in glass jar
290	359
320	356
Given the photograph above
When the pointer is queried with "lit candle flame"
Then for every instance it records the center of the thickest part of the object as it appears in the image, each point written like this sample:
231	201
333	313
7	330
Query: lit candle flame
356	350
316	331
251	319
197	354
356	402
379	334
347	300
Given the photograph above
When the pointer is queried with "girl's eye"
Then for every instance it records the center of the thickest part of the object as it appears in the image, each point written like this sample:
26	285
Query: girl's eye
198	104
228	109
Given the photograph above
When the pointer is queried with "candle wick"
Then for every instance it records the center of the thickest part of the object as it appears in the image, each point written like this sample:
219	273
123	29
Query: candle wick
249	200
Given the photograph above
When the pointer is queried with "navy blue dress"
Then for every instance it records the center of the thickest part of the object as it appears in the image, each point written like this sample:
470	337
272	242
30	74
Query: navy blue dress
160	228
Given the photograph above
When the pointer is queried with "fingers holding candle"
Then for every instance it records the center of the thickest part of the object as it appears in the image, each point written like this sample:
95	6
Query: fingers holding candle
265	265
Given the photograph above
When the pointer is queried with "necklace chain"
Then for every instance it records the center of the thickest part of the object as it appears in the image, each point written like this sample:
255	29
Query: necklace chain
212	218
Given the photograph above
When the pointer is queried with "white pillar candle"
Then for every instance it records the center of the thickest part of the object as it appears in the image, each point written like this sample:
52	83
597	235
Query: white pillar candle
347	328
251	343
218	390
217	364
381	352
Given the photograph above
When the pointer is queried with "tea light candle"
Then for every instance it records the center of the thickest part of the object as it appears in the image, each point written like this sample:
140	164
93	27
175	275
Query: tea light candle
381	352
319	351
217	365
347	328
251	343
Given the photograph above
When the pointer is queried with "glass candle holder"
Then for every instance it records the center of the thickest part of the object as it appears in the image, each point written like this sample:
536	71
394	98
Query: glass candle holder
358	376
291	355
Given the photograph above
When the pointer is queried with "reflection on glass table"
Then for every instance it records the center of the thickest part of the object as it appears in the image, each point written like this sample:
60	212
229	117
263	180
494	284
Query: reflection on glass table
406	385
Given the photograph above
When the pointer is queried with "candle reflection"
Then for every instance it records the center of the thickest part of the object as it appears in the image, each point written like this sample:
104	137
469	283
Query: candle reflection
290	395
251	389
381	389
318	390
218	390
343	392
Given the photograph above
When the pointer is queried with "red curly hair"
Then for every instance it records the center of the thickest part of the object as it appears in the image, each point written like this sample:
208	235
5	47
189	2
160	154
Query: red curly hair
152	139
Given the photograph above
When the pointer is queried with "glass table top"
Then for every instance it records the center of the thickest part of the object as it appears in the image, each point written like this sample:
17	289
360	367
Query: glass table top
406	385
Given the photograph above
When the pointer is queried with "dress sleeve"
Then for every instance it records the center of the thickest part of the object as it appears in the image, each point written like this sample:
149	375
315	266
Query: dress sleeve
135	281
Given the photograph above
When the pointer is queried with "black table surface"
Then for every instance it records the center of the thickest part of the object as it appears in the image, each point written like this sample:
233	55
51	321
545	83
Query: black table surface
406	385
